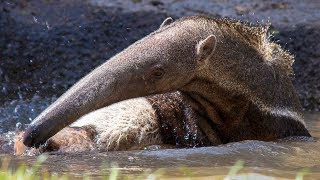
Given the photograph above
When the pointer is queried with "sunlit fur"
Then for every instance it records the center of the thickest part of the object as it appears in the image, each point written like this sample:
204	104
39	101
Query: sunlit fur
123	125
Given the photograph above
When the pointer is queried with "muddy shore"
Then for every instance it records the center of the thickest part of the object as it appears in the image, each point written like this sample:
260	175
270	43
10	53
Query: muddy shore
46	46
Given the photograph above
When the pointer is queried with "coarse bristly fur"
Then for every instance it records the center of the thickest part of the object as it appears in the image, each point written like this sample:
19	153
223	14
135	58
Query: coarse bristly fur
227	82
123	125
257	37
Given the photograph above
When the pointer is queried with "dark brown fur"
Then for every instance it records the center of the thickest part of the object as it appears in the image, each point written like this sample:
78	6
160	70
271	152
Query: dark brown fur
232	115
181	124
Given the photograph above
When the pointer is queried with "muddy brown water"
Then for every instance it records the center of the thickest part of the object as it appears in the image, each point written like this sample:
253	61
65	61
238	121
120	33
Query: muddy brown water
282	159
48	39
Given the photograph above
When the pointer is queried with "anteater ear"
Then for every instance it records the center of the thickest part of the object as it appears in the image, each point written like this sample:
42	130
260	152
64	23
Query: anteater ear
206	47
166	22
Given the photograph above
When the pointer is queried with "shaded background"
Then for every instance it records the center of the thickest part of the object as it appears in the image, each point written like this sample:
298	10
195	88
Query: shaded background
47	45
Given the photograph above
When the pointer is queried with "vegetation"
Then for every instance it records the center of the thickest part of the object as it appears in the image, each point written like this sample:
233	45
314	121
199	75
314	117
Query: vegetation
36	172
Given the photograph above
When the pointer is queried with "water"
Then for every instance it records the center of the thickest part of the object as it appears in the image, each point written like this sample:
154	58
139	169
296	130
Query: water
21	111
268	159
56	37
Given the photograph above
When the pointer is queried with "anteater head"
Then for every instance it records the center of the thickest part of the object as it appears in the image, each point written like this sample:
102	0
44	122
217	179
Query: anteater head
164	61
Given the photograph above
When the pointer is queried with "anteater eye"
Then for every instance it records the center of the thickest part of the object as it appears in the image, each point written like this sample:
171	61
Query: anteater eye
157	72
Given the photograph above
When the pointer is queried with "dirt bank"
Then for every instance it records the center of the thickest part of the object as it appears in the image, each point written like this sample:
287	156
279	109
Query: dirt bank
46	47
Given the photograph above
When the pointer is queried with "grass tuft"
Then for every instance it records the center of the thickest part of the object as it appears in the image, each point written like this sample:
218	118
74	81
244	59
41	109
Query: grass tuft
37	172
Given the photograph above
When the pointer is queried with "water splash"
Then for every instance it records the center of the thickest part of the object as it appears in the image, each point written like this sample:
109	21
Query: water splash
19	111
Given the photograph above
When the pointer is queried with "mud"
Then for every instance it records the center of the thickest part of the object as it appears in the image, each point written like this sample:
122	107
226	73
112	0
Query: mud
47	46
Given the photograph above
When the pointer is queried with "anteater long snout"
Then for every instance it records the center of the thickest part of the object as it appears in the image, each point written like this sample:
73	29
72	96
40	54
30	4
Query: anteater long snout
111	82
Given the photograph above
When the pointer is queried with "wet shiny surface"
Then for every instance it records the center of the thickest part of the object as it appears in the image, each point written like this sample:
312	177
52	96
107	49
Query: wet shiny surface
278	159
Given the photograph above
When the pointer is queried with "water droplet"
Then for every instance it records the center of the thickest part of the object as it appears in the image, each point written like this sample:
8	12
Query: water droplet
35	19
194	137
152	147
4	89
16	109
130	158
186	137
19	125
20	96
47	24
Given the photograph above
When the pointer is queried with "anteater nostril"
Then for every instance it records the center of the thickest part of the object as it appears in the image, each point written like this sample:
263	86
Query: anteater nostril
27	141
